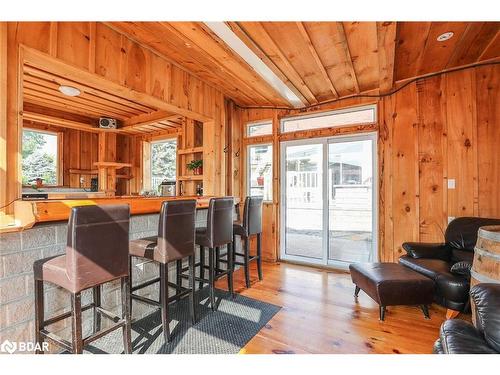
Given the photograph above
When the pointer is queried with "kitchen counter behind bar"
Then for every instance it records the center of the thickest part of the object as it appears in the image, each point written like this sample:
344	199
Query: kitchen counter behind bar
19	249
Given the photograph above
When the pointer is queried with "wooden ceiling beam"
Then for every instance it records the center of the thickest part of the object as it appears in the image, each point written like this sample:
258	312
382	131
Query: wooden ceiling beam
149	118
347	52
250	43
181	31
386	41
288	68
63	123
314	53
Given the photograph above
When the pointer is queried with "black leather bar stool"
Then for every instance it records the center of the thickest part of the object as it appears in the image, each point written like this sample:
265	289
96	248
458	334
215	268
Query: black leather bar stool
175	242
96	253
217	233
251	225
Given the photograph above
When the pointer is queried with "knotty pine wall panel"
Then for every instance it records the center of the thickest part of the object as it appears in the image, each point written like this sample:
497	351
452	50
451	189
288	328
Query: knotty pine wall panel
99	49
440	128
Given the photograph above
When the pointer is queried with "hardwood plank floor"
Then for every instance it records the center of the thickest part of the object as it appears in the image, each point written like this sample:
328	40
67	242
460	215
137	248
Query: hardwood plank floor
320	315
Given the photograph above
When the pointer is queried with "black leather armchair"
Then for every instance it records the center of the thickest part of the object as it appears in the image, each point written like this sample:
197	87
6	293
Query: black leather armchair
435	260
460	337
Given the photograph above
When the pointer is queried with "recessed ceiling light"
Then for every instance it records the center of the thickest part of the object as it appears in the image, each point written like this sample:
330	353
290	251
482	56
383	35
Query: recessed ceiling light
444	36
69	90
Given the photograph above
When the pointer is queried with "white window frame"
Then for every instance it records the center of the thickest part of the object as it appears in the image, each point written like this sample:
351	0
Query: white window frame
58	136
249	170
162	140
330	113
248	125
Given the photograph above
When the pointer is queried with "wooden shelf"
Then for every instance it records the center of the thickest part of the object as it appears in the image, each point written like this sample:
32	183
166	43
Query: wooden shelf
83	171
124	176
111	164
193	150
198	177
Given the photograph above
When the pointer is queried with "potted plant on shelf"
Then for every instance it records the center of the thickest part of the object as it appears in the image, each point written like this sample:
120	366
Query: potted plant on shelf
196	166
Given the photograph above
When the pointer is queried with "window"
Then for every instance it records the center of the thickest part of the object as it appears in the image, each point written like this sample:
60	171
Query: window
258	129
163	161
260	171
342	117
40	157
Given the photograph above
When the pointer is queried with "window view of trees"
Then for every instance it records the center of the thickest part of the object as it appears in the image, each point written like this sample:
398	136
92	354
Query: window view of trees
39	153
163	161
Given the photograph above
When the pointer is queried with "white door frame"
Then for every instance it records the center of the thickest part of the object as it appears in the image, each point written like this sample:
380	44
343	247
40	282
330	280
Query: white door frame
325	141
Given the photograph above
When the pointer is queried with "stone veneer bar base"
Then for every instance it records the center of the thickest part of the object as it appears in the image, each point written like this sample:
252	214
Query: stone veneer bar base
19	250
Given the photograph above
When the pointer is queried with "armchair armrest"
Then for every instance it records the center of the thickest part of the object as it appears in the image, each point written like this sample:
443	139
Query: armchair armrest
427	250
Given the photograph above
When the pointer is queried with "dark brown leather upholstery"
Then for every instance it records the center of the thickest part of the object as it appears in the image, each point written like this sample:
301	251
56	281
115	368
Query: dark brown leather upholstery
175	238
435	260
96	250
392	284
457	336
252	218
219	228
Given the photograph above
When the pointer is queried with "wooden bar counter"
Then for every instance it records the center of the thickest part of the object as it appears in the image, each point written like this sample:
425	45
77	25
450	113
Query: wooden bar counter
28	213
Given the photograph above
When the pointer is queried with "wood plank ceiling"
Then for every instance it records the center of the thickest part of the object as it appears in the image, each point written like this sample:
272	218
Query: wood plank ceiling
43	103
318	61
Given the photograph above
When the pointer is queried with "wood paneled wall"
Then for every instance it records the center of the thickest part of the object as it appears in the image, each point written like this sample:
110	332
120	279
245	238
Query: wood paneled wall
98	49
435	129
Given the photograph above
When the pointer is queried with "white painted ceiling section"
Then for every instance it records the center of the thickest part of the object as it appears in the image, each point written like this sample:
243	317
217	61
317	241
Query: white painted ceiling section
237	45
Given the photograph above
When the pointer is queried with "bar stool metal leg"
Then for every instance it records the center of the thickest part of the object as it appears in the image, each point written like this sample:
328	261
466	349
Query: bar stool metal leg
164	301
230	266
39	315
76	323
234	250
259	255
217	260
192	301
202	265
211	259
246	262
96	292
130	284
178	281
127	339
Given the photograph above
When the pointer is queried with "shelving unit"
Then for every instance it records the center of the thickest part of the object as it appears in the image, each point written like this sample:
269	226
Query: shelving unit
190	148
107	175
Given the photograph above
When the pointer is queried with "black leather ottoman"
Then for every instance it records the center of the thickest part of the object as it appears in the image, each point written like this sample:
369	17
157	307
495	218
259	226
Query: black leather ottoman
391	284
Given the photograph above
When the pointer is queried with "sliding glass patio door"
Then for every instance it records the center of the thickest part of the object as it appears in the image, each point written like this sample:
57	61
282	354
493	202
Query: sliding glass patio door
328	200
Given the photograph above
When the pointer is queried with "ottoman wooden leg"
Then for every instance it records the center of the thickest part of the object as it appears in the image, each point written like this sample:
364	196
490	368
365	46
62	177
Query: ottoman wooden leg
382	313
451	314
356	291
425	310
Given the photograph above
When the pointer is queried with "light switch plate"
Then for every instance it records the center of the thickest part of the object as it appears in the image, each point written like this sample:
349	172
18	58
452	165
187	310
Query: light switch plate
451	183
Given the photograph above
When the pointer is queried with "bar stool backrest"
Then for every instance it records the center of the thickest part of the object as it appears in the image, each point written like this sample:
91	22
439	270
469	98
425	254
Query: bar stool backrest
176	229
220	220
252	215
97	244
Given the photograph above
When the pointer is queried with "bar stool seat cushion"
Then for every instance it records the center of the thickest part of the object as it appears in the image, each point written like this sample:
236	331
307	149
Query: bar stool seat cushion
239	229
53	270
146	248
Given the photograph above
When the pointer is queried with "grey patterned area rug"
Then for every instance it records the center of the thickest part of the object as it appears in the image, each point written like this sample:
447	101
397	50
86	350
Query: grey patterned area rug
224	331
